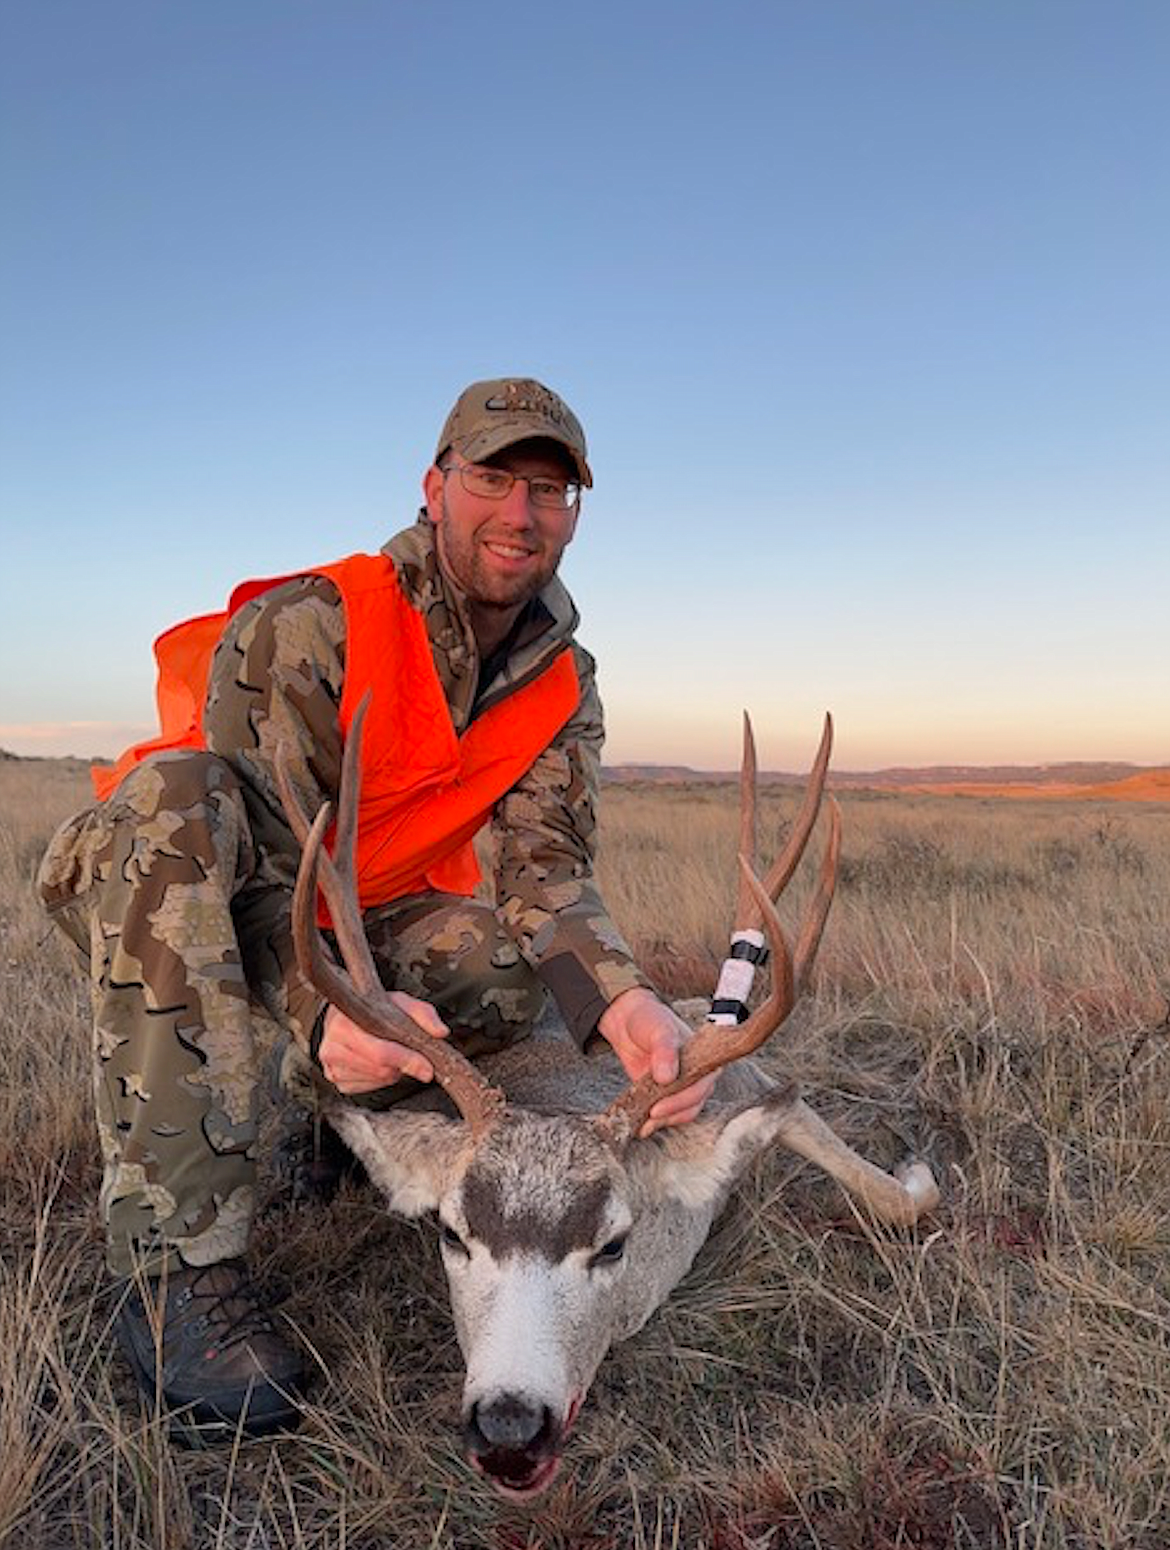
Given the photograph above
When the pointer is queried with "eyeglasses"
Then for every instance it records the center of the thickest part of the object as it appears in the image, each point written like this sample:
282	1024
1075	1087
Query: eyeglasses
494	483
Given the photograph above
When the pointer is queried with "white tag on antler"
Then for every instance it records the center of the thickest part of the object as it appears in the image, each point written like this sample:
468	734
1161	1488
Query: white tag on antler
736	978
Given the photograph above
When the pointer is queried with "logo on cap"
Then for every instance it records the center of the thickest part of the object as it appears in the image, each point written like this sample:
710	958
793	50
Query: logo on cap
528	398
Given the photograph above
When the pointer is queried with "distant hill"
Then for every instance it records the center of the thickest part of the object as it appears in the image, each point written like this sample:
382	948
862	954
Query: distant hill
1086	779
58	761
1104	779
1145	786
1080	773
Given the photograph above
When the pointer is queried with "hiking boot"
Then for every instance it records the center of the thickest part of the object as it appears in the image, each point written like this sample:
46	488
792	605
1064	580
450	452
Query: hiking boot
225	1368
309	1159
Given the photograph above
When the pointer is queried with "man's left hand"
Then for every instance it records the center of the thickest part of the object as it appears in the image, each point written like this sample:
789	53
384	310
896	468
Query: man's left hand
646	1036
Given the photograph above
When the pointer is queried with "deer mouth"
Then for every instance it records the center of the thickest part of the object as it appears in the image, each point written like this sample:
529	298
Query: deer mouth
520	1457
518	1479
519	1473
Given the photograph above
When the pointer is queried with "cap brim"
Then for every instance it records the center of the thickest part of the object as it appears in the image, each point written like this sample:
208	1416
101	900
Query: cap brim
508	433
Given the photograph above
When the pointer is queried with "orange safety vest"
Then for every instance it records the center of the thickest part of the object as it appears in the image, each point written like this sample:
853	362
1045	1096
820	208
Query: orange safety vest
425	791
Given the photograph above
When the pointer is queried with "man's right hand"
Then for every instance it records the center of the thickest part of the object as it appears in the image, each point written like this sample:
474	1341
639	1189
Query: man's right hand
358	1062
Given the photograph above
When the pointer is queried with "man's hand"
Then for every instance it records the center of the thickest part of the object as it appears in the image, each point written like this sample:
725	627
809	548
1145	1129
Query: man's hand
647	1036
358	1062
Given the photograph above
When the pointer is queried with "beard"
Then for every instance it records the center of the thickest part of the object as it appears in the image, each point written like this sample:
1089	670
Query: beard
490	580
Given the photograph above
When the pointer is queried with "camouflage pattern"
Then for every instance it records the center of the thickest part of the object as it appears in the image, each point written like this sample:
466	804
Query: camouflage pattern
143	885
455	953
177	889
489	416
165	895
278	676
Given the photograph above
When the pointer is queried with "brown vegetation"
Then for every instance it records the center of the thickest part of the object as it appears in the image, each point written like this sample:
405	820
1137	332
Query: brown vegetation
991	990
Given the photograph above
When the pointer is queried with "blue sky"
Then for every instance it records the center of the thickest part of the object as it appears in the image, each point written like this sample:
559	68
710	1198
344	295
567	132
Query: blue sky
863	305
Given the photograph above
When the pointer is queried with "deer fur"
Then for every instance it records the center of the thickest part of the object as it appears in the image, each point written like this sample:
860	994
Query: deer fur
532	1212
562	1227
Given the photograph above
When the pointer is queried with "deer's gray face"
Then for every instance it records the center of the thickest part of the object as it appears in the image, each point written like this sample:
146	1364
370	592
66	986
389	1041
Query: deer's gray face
555	1245
536	1242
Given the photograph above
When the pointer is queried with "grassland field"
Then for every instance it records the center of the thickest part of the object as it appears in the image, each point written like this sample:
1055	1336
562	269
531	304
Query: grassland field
992	992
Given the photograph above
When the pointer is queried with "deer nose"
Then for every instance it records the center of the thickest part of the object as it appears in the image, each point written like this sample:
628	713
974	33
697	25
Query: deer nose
508	1421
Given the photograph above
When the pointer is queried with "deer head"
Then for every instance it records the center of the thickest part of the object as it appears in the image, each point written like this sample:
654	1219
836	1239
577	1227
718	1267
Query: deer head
562	1229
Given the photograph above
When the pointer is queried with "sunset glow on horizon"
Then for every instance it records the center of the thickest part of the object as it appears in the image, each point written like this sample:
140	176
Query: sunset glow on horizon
863	311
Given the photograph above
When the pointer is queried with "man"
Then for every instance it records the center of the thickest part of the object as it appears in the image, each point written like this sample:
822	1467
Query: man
176	886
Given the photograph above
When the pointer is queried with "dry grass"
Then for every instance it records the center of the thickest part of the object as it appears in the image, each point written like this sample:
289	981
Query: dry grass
992	991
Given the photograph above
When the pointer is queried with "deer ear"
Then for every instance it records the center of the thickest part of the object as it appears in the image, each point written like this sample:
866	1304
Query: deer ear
410	1158
698	1163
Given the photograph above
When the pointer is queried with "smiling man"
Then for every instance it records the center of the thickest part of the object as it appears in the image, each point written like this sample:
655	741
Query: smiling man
176	886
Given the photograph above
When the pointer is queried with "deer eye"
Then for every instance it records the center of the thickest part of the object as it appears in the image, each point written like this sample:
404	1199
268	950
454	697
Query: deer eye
450	1239
609	1253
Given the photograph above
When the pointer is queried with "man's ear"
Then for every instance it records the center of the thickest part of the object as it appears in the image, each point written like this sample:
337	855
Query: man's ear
433	492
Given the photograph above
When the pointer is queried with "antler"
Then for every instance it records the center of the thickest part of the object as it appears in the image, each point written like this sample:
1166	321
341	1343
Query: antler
715	1045
786	863
360	994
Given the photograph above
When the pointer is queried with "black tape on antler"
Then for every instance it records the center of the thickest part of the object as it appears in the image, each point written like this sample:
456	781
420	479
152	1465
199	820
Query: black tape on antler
754	952
726	1006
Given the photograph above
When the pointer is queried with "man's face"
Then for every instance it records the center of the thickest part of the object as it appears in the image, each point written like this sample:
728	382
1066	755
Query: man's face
503	551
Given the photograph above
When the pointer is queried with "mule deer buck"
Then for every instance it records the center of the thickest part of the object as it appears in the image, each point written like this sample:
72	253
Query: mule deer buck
562	1229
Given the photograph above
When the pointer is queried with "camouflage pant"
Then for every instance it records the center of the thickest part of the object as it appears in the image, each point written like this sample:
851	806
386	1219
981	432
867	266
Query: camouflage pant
183	923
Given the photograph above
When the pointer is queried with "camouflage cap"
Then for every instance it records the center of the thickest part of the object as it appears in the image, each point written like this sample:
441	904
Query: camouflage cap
489	416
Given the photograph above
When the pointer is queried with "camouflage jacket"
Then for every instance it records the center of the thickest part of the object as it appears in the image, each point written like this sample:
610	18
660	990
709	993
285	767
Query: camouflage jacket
277	677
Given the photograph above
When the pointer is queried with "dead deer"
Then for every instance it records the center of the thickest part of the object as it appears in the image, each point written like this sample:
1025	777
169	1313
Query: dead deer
562	1229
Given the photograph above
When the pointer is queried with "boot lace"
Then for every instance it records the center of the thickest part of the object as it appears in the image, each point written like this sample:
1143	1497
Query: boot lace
222	1299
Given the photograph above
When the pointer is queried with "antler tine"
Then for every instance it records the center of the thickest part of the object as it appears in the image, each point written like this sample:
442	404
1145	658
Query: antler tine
345	834
335	877
814	922
298	818
315	963
746	914
780	872
714	1047
294	811
716	1044
360	993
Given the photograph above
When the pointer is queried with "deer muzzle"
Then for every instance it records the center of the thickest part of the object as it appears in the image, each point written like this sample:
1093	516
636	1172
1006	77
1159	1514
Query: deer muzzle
514	1442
